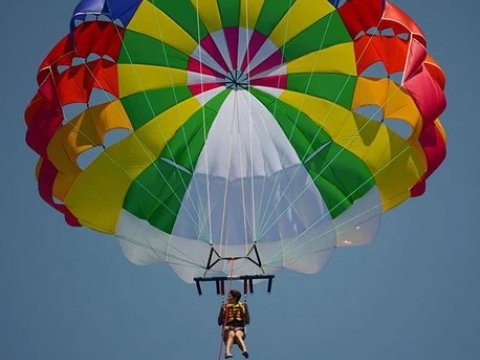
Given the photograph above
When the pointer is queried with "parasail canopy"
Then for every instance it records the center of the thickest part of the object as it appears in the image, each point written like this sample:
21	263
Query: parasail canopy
236	137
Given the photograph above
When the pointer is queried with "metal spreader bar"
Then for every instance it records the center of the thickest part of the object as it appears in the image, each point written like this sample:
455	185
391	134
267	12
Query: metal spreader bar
247	282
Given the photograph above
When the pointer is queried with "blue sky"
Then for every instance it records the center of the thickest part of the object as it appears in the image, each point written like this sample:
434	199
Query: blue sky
69	293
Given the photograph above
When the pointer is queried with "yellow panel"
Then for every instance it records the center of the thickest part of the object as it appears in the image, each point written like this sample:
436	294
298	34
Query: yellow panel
395	103
60	156
63	183
38	167
249	12
395	164
84	132
209	13
335	59
139	78
440	128
97	195
301	15
68	168
151	21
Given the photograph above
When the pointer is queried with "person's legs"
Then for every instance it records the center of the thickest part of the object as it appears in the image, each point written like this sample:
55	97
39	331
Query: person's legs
228	344
239	335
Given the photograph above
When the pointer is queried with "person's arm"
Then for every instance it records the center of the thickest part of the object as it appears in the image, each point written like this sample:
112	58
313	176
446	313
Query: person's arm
221	319
247	314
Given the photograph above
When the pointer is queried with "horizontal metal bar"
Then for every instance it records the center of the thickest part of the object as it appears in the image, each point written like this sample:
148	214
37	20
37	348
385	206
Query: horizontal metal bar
240	277
247	282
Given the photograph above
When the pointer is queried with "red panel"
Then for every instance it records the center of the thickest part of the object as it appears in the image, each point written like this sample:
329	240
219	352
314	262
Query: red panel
61	54
391	51
400	22
209	45
46	178
106	76
435	151
278	82
195	66
43	117
436	71
76	84
99	37
361	15
201	88
231	36
256	42
274	60
427	94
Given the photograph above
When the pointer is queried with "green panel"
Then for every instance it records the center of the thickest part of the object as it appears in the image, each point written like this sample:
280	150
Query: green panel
141	49
272	12
165	182
229	12
184	14
326	32
144	106
336	88
340	176
194	130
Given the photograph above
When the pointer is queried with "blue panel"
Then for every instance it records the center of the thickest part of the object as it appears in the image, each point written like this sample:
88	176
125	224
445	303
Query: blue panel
334	2
85	7
123	9
117	9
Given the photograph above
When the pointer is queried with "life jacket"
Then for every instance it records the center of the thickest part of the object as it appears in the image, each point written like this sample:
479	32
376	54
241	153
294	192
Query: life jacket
234	313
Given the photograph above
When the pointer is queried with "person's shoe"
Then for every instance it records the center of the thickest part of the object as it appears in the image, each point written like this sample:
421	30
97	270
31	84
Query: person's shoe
228	356
245	354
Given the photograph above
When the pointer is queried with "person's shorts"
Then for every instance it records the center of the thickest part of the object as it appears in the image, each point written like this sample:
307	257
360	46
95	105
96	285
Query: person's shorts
234	328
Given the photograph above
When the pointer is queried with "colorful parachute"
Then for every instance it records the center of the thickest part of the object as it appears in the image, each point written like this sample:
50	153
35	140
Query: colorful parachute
246	145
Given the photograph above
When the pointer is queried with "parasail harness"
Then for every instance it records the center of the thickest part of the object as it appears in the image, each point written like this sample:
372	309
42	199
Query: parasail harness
248	280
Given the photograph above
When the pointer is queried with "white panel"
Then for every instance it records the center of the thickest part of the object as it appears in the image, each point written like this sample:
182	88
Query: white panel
206	96
203	57
219	39
244	141
243	42
267	49
269	90
282	70
359	223
197	78
307	251
143	244
249	184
